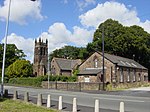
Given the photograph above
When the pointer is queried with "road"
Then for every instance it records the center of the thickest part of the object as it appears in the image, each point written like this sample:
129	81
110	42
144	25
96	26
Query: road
85	101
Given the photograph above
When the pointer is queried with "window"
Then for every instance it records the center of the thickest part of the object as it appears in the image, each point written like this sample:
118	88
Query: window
139	77
121	75
134	75
128	76
96	63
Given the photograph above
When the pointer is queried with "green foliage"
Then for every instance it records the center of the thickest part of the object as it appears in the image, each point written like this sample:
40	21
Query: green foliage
20	68
69	52
130	42
37	81
6	79
12	54
30	81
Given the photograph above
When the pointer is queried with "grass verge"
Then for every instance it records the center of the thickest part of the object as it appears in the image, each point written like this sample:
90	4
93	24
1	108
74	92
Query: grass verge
9	105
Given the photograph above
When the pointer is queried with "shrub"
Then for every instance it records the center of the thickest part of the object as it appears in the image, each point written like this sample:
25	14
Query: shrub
36	81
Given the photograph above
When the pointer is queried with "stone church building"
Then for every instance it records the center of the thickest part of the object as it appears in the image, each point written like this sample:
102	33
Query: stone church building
40	58
117	69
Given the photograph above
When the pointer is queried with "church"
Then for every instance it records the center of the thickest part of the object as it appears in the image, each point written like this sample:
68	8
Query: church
40	58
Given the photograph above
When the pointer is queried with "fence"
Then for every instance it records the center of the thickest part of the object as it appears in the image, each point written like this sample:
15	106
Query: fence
74	86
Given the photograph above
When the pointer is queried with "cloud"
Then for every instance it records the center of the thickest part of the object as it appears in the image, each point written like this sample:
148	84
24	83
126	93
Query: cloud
84	3
22	43
81	37
113	10
21	11
58	36
118	11
146	25
65	1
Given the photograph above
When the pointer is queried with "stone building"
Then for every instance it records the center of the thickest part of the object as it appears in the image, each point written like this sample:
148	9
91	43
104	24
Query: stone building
61	66
116	68
40	58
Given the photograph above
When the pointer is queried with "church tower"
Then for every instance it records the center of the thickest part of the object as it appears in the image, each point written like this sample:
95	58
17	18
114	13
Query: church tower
40	58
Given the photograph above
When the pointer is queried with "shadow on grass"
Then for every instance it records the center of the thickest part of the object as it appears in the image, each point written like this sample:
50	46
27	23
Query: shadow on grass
5	97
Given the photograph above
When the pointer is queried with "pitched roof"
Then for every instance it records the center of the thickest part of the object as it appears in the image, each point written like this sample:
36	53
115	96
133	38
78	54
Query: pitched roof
121	61
66	64
89	72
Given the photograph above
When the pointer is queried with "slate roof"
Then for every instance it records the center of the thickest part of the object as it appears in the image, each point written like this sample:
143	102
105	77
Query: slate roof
89	72
66	64
121	61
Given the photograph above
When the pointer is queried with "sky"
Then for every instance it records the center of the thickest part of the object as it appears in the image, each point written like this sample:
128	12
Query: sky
66	22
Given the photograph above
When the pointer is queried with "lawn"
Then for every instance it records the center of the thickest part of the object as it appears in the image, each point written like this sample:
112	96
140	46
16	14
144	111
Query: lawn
8	105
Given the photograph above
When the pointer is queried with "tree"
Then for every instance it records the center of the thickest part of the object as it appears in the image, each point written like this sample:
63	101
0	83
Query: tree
20	68
12	54
130	42
69	52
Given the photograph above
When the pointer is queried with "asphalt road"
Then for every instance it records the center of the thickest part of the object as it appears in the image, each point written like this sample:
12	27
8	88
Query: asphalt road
109	101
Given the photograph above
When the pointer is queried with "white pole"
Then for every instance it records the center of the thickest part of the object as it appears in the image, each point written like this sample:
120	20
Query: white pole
74	105
5	43
96	105
49	101
121	106
60	103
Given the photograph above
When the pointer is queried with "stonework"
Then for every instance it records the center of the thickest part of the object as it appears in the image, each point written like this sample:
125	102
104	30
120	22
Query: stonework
65	67
114	72
40	58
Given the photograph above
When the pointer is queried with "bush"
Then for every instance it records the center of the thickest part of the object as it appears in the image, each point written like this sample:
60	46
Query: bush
37	81
6	79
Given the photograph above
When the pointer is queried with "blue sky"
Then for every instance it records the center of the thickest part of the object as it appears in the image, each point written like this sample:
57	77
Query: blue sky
66	22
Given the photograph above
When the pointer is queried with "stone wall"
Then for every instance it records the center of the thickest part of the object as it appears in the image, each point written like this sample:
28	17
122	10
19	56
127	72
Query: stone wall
73	86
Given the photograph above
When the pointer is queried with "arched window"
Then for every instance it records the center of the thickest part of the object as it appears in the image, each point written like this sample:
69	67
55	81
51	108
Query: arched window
121	75
139	77
95	63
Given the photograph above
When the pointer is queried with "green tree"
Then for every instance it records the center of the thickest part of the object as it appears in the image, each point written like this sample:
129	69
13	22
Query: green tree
12	54
20	68
131	42
69	52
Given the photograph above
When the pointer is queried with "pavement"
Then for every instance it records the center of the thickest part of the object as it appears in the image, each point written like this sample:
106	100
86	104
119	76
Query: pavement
140	89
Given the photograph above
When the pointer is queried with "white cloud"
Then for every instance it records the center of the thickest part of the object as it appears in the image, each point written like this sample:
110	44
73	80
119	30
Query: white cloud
58	36
84	3
81	36
65	1
114	10
21	10
22	43
146	25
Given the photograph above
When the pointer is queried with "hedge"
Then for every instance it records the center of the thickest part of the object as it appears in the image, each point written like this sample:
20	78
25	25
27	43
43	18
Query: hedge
37	81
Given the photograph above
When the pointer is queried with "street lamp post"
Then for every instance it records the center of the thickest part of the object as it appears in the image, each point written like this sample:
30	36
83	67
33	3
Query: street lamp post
5	43
103	56
4	53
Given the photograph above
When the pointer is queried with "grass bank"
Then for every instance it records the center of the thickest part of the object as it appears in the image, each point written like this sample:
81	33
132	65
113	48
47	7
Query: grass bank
8	105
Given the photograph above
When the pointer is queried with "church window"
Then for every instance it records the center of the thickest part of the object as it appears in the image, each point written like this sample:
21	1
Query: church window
121	75
128	76
96	63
